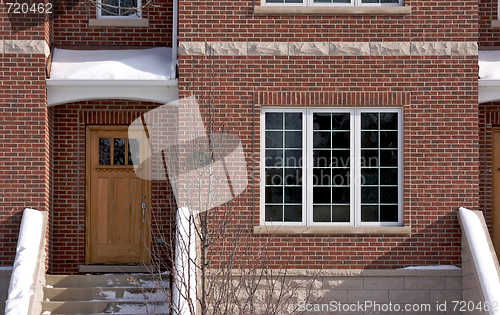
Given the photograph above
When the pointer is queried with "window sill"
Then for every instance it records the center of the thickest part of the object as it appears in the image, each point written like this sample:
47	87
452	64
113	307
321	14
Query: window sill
386	10
495	24
332	230
118	23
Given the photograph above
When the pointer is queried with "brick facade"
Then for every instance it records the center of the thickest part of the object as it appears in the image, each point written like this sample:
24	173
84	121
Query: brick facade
445	156
71	27
24	136
68	224
440	149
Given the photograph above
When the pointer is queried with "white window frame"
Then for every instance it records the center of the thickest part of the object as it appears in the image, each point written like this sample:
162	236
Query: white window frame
307	167
352	3
121	17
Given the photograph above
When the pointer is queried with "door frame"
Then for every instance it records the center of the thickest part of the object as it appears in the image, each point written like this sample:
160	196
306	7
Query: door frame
495	186
147	237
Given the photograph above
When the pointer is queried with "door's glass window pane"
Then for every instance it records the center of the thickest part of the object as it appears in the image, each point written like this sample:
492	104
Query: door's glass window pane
104	151
119	151
134	153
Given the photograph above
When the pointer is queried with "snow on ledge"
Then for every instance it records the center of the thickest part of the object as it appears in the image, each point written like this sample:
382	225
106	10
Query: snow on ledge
30	234
481	255
435	267
129	64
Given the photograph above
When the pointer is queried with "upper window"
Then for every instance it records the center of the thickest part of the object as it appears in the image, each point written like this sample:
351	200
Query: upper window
332	167
119	9
334	2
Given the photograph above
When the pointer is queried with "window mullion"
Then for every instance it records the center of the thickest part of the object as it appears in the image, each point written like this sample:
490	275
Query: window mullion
307	167
356	167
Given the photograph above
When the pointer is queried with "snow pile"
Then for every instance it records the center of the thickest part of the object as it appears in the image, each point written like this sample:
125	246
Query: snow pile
21	279
481	255
434	267
131	64
141	309
489	64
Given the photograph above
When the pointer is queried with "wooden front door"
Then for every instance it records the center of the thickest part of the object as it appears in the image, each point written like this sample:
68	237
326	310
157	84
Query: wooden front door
495	215
118	201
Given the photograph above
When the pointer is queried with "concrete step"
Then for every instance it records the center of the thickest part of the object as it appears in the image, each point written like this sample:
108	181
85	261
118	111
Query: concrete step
111	280
100	307
106	294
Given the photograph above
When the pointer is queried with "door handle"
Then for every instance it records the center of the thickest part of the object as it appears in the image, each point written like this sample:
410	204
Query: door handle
143	212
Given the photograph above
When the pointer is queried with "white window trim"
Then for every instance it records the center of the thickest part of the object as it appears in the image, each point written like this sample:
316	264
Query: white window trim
354	3
357	152
119	17
303	111
355	155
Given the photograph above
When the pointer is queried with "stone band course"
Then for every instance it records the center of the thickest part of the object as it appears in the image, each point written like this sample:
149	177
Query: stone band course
29	47
329	48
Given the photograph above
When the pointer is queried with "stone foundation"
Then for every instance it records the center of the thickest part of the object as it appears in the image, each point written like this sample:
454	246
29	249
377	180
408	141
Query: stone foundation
422	291
4	287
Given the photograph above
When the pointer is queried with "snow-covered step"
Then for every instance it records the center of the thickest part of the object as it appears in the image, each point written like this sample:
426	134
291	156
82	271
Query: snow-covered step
106	294
112	280
103	307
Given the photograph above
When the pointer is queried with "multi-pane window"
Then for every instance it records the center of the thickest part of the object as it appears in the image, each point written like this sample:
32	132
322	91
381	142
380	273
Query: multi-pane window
334	2
332	166
125	9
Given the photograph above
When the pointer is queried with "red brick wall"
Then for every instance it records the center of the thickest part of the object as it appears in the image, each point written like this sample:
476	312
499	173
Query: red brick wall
68	222
439	95
71	27
24	143
19	26
488	11
439	20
